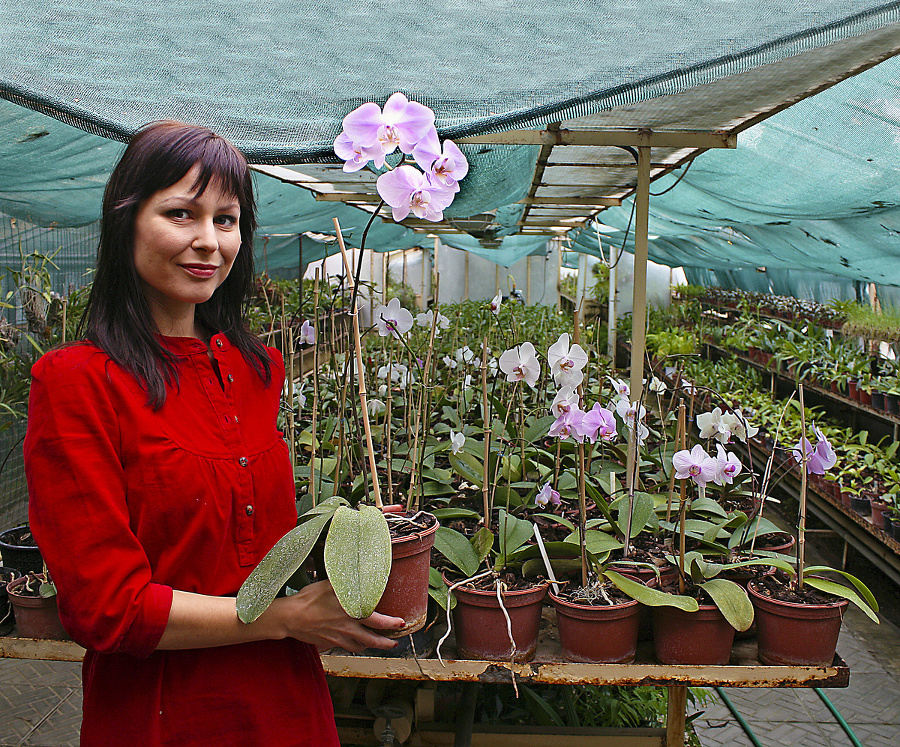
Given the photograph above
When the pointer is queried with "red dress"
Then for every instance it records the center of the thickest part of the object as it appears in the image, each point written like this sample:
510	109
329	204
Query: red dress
128	504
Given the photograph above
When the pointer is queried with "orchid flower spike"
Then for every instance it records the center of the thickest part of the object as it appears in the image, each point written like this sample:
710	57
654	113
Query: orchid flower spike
547	495
695	464
496	302
566	362
818	459
402	123
307	333
521	364
393	319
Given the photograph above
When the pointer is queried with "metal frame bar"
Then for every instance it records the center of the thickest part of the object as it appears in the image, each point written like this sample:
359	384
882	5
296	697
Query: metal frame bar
611	137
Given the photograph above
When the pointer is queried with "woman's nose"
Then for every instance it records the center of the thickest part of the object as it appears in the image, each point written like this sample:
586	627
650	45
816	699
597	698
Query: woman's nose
205	238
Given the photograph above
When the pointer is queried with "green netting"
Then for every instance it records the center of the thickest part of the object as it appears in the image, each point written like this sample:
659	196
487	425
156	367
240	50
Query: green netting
816	187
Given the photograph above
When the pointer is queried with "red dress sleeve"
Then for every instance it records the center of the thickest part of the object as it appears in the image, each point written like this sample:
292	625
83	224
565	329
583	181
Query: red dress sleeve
78	507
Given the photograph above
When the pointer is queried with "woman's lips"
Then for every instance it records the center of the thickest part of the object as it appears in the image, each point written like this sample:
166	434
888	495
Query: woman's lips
201	271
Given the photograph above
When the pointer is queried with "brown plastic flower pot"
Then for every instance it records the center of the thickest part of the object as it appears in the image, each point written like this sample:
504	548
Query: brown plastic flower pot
701	637
601	634
796	634
406	593
481	628
36	617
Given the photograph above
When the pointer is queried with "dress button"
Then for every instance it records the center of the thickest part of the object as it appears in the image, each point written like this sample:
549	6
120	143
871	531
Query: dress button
230	378
218	343
243	461
235	418
249	510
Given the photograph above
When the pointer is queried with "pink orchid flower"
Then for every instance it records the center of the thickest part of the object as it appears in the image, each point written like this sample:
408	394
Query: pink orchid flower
568	425
406	189
307	333
695	464
547	495
728	466
818	459
598	422
401	124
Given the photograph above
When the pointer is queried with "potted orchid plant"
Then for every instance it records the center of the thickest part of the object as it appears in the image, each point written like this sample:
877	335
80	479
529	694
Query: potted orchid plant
358	542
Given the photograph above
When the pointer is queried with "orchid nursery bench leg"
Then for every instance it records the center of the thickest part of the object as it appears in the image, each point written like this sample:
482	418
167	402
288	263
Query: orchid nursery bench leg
675	716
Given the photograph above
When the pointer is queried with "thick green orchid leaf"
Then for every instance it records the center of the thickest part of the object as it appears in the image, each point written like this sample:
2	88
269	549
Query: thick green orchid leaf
279	564
863	590
544	713
328	506
707	506
603	507
711	534
651	597
511	469
468	467
441	596
781	563
641	511
514	533
434	577
595	541
455	513
559	520
563	549
456	547
538	428
732	602
839	590
358	558
506	496
432	489
758	526
444	476
482	542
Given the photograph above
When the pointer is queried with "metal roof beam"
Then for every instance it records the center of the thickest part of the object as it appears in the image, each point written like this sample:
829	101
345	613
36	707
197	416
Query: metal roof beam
633	138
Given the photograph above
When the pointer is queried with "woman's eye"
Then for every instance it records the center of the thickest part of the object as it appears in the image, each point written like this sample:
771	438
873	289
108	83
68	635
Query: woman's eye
226	220
179	214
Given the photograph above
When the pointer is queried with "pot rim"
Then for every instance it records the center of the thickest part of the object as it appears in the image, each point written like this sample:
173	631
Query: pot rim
838	603
619	605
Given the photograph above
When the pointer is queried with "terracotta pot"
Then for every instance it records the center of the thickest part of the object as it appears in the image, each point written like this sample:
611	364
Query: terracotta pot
597	634
796	634
701	637
785	545
480	625
406	593
24	558
878	517
852	391
36	617
833	386
845	499
667	574
865	398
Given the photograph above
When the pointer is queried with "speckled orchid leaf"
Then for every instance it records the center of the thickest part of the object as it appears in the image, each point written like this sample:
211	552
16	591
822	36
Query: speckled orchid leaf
280	563
358	558
839	590
455	546
483	542
732	602
595	541
651	597
467	467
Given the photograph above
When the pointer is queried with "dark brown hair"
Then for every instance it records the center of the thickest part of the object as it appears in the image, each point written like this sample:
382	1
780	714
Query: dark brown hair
118	317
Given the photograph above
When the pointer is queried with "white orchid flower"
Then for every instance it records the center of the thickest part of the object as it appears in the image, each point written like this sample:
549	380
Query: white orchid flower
496	302
695	464
631	411
456	441
521	364
623	390
566	361
393	319
728	466
465	355
449	362
376	407
565	400
307	333
425	320
657	385
710	423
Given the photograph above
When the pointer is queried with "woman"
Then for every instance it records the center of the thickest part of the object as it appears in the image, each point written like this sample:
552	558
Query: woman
158	479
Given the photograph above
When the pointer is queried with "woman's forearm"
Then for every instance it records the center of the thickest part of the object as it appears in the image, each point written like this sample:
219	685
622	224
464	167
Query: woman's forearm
313	615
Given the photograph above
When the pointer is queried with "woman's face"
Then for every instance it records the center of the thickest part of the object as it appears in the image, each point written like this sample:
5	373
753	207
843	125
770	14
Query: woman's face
184	247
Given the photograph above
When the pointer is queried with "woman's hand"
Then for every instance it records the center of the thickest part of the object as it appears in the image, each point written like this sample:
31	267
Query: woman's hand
315	615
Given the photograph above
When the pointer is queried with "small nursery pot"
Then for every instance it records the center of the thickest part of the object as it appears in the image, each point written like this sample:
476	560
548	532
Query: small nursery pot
860	505
878	517
480	625
36	617
796	634
6	613
599	634
877	400
701	637
667	574
25	558
406	593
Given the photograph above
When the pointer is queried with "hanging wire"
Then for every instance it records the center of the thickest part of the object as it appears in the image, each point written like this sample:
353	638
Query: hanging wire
672	186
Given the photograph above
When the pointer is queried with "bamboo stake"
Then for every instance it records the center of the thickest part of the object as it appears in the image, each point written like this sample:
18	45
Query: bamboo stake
486	417
801	528
315	407
361	379
680	438
582	501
